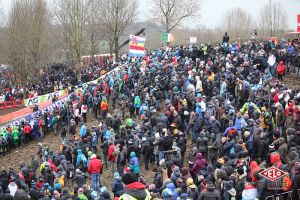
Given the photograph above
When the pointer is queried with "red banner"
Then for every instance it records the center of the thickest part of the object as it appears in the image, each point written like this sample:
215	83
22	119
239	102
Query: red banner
298	29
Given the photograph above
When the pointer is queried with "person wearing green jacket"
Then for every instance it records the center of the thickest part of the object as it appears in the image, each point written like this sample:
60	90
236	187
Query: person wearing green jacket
249	107
3	141
15	134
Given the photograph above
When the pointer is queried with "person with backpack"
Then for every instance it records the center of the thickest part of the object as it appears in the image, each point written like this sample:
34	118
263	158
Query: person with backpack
117	187
121	160
111	157
80	178
146	151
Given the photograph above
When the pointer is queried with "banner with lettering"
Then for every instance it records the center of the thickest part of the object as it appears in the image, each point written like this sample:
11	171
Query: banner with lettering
44	98
30	117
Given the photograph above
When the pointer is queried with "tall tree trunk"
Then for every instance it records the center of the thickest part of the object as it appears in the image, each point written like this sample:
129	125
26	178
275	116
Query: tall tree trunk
116	50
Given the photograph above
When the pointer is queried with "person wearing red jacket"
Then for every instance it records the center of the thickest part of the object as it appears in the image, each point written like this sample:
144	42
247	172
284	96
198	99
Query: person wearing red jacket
27	130
95	168
280	70
111	158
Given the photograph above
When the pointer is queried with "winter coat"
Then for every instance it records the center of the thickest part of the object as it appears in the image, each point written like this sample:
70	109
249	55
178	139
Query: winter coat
283	150
296	185
135	191
250	192
199	87
80	157
134	163
95	166
199	163
110	156
83	131
117	187
280	118
176	174
280	68
80	179
228	194
254	168
210	193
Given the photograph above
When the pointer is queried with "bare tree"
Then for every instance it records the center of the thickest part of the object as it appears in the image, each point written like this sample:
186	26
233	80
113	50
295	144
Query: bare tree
172	13
2	15
72	16
28	25
238	23
273	19
93	29
115	17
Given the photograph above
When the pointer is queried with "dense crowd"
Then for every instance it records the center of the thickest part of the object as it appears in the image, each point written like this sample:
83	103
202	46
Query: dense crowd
205	121
50	79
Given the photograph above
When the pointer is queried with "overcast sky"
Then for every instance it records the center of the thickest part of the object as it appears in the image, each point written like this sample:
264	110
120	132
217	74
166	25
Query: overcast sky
213	10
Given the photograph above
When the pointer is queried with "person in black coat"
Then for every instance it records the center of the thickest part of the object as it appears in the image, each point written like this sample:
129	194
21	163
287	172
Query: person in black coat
225	38
296	185
210	193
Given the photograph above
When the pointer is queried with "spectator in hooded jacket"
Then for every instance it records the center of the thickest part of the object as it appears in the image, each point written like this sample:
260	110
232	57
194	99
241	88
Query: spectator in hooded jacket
199	163
95	168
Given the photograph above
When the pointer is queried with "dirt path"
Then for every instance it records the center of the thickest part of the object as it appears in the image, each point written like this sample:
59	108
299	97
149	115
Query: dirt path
13	158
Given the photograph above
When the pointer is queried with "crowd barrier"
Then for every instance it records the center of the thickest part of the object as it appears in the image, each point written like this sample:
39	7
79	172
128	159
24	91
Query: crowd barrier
283	196
27	111
11	104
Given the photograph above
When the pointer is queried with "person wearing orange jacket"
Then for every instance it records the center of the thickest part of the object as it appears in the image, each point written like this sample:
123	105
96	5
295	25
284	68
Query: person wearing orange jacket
104	107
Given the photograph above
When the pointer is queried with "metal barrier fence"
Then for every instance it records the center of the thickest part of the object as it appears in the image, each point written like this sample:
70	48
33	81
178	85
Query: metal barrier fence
283	196
11	104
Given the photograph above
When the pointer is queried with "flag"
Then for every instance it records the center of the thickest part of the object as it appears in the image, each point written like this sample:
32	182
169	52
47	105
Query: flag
298	28
136	46
167	37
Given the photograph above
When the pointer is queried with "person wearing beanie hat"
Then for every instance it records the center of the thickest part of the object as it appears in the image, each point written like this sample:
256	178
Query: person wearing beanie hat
133	189
34	191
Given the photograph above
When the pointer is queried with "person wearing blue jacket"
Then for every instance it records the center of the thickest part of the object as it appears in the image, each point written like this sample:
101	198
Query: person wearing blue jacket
134	164
80	157
83	130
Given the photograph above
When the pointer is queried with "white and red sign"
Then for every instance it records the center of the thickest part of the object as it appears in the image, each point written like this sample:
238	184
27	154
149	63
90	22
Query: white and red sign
272	173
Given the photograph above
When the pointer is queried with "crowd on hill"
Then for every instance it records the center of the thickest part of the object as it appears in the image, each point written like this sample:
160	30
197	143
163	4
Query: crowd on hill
204	121
50	79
